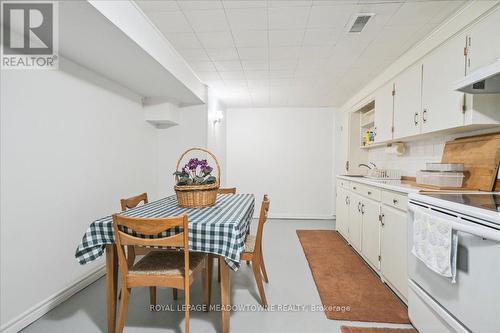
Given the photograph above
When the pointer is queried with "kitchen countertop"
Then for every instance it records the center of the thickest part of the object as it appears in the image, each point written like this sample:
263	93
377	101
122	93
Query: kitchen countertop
404	186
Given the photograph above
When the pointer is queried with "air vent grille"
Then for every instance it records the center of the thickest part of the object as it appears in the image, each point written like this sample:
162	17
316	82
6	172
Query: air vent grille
359	22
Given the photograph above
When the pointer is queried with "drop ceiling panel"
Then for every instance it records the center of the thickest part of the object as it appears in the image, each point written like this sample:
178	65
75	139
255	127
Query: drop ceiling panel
207	20
285	37
253	53
171	21
214	40
297	53
222	54
250	38
288	18
247	18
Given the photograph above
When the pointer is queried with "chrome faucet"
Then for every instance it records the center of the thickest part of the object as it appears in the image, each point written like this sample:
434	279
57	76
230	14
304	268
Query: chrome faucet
369	167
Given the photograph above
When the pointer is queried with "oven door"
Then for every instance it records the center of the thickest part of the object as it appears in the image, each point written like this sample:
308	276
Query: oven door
474	300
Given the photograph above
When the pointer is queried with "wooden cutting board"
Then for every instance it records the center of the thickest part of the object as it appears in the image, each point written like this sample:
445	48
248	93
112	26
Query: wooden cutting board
481	157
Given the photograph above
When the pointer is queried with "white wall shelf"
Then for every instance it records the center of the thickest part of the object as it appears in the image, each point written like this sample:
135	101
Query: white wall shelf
161	114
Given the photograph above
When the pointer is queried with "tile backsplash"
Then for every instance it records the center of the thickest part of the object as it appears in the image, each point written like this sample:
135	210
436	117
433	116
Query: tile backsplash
418	153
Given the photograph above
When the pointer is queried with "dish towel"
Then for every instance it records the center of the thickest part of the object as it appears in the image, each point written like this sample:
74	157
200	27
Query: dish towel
435	243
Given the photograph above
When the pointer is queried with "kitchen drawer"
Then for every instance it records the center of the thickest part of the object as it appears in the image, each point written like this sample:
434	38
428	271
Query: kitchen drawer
343	183
394	199
366	191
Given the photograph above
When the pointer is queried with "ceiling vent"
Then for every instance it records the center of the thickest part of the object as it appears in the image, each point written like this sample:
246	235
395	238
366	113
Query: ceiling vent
358	22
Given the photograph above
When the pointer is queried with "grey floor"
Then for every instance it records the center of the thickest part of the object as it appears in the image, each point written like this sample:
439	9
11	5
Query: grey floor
291	284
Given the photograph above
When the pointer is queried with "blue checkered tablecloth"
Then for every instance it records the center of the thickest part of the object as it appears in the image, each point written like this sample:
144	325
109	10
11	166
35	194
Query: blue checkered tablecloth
219	229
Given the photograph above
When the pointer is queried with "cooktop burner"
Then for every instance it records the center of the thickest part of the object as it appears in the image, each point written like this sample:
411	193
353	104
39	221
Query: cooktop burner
489	201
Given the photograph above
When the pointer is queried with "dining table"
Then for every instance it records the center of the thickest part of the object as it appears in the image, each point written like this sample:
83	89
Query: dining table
219	230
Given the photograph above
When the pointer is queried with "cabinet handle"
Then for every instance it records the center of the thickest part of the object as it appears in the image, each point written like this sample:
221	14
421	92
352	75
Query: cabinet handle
381	219
359	209
395	201
362	209
415	118
423	116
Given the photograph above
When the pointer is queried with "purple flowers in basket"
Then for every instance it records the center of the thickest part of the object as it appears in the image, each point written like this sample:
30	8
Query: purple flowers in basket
195	172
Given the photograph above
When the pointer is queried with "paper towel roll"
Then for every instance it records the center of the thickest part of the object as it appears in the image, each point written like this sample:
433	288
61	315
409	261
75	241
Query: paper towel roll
398	148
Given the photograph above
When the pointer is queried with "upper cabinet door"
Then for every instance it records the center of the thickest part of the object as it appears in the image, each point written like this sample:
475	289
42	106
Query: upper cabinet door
384	113
484	46
442	107
408	102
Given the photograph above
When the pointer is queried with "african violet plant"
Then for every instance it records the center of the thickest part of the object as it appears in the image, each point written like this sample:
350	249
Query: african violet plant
195	172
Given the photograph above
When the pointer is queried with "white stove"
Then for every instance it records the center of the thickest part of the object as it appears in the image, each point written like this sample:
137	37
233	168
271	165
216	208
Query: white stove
472	304
482	205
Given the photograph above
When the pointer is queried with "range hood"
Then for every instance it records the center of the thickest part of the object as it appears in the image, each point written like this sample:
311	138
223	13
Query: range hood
485	80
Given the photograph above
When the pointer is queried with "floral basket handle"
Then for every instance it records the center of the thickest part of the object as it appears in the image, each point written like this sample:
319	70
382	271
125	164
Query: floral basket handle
217	181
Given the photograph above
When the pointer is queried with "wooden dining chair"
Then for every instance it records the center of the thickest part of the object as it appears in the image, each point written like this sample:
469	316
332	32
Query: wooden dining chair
253	251
227	190
133	251
175	269
128	203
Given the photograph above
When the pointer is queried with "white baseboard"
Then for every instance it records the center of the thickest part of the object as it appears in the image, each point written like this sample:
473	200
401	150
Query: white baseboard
29	316
301	217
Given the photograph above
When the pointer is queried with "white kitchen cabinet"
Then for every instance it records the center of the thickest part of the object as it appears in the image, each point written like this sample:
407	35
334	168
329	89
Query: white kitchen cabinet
484	47
443	107
355	221
408	102
350	154
370	235
376	228
384	113
342	211
393	250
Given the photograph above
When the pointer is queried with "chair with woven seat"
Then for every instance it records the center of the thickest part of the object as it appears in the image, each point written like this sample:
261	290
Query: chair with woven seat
174	269
253	251
128	203
133	251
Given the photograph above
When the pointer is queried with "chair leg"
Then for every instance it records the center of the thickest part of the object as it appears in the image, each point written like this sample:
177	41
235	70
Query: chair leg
207	283
186	315
174	293
123	309
248	233
262	266
152	296
218	269
130	262
258	279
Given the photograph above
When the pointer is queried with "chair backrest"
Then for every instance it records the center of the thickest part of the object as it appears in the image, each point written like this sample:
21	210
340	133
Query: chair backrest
227	190
264	209
149	227
132	202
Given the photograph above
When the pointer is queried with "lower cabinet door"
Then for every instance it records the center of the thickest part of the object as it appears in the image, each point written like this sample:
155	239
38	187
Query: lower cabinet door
393	250
371	232
355	221
342	214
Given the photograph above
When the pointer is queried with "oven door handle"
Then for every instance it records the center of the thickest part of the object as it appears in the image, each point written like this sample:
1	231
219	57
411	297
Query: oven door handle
461	225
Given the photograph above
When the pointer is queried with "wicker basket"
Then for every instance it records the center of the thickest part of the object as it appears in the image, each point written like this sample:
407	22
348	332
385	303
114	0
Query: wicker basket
197	196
